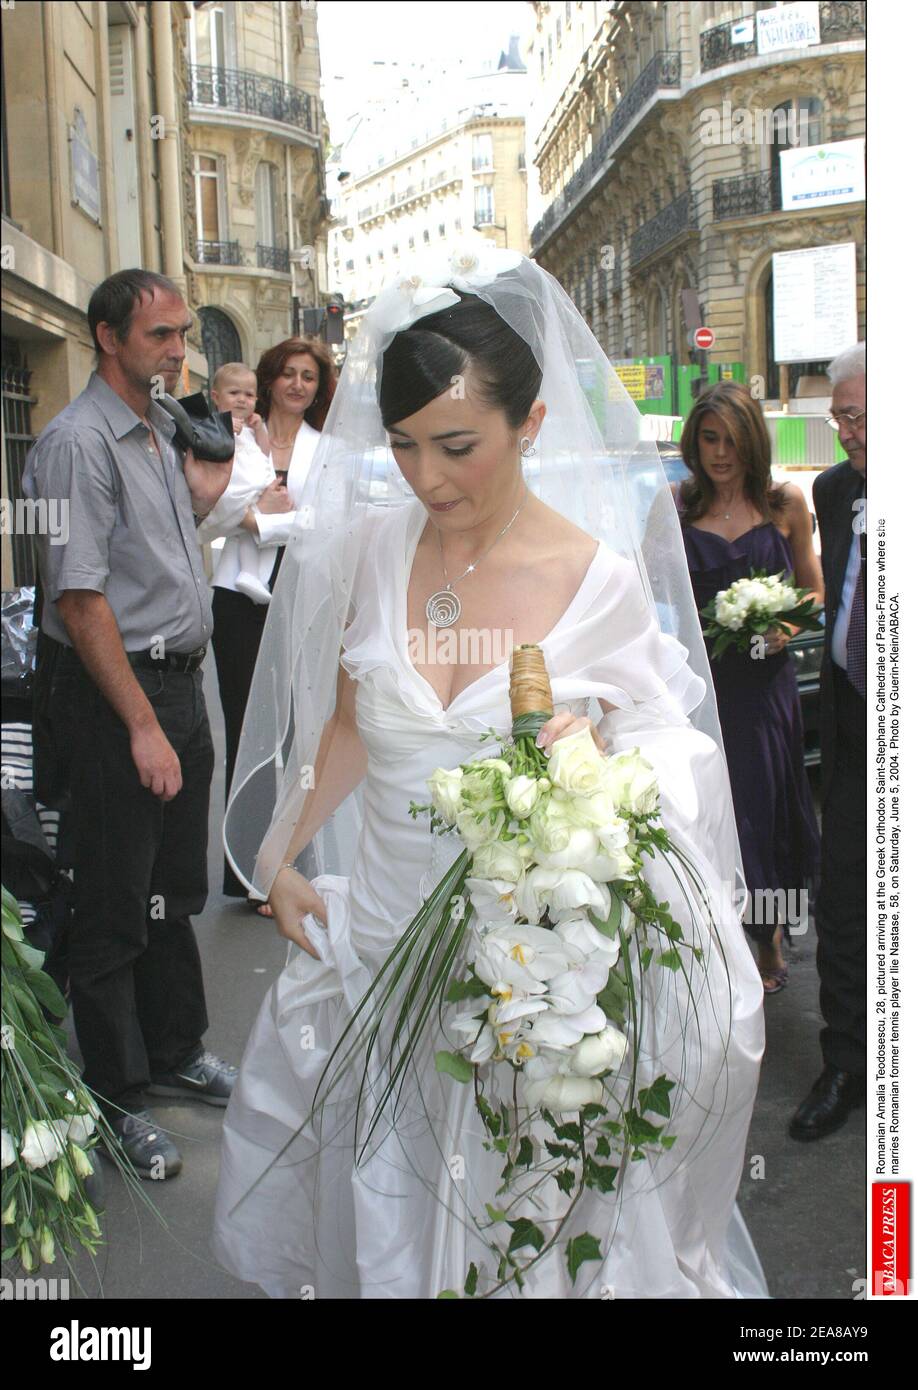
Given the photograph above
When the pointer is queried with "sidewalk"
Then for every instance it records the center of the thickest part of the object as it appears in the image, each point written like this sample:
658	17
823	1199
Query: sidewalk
805	1210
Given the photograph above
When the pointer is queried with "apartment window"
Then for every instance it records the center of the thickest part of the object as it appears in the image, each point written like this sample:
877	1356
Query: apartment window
542	61
558	30
267	183
210	197
442	229
395	248
458	224
411	243
567	12
369	260
549	48
484	204
794	123
212	37
426	238
483	151
348	265
380	256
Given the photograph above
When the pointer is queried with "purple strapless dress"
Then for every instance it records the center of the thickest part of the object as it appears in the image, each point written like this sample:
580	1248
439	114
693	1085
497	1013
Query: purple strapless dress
759	707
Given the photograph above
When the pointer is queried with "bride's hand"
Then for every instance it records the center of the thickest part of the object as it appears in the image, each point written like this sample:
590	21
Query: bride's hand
292	896
560	725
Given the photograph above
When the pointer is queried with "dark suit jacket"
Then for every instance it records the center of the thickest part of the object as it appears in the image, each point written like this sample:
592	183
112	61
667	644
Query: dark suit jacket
834	494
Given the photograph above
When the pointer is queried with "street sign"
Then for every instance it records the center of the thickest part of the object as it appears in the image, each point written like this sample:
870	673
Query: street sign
703	338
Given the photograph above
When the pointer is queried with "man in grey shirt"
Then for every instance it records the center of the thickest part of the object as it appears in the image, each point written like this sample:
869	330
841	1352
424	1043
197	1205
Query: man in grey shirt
125	623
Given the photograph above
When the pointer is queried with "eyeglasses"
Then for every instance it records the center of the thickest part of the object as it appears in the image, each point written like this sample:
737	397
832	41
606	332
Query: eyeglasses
850	417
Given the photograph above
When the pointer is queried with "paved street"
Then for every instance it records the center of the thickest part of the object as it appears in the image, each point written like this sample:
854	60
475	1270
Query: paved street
806	1210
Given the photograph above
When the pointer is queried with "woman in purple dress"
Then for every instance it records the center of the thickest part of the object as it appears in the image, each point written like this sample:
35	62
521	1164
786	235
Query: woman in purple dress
735	520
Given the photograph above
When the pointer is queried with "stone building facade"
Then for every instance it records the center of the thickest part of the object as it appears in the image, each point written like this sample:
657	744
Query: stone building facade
633	202
91	185
418	171
254	181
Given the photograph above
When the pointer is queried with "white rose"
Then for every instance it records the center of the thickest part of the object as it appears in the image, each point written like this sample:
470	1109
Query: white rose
633	783
42	1143
576	764
522	795
8	1149
477	829
563	1093
482	784
582	846
446	792
596	811
551	823
503	859
601	1052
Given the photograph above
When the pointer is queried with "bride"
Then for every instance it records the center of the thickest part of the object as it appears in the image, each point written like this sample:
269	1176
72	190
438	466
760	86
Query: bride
513	516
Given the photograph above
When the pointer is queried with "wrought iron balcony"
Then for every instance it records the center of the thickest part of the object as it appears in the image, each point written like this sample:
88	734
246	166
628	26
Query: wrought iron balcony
838	20
668	225
748	195
217	253
663	71
252	94
273	257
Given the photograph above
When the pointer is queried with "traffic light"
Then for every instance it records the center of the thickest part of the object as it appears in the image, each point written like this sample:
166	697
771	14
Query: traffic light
334	320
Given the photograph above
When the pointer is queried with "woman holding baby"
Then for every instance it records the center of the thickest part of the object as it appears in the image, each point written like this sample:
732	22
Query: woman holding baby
278	411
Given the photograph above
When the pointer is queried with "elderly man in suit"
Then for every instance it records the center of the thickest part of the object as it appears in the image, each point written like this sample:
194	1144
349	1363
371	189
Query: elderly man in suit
841	910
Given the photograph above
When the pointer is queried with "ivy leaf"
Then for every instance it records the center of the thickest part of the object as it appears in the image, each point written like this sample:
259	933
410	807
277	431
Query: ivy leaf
494	1213
570	1131
646	957
448	1293
464	989
456	1066
525	1155
592	1111
525	1232
641	1131
670	959
602	1147
609	925
656	1096
601	1175
668	1140
471	1280
560	1150
565	1180
579	1249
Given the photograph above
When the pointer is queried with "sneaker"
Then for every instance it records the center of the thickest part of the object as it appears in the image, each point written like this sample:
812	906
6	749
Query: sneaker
148	1149
203	1075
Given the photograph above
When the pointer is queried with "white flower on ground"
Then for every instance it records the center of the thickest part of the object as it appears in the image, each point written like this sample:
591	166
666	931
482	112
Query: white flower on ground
576	764
599	1053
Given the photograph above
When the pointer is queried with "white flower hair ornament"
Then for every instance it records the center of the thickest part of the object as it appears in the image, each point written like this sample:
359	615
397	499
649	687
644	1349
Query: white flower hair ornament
432	285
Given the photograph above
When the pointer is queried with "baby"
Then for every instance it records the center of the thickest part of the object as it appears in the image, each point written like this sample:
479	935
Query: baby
235	389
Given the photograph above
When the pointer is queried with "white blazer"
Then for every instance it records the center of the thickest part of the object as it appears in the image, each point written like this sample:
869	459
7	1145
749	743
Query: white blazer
274	529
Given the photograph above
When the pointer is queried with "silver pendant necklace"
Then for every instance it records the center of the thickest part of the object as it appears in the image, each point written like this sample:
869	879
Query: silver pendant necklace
444	607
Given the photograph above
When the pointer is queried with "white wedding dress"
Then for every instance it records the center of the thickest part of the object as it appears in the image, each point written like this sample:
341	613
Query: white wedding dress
294	1214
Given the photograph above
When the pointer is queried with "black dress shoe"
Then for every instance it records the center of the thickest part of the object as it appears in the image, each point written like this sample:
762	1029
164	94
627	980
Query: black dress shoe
827	1107
200	427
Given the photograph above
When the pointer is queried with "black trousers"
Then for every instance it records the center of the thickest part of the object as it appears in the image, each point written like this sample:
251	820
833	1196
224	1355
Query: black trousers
140	874
238	625
841	909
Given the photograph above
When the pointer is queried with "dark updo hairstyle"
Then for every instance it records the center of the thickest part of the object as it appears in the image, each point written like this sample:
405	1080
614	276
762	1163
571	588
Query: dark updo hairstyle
423	361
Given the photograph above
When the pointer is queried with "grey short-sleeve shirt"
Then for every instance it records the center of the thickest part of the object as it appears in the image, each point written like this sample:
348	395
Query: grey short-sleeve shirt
128	530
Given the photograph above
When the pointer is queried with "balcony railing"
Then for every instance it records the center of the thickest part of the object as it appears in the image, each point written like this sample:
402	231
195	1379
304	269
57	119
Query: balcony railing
838	20
663	71
668	225
217	253
251	94
272	257
408	194
748	195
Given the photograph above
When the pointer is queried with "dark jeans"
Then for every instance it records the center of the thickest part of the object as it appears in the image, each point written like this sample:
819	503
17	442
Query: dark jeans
841	909
238	625
140	873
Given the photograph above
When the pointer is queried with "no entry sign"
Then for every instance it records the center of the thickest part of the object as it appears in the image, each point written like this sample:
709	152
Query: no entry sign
703	338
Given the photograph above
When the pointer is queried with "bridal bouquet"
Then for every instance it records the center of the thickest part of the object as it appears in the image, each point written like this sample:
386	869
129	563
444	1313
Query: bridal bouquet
736	616
539	935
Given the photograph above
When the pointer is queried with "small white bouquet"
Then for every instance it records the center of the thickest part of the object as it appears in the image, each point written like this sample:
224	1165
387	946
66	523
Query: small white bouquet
736	616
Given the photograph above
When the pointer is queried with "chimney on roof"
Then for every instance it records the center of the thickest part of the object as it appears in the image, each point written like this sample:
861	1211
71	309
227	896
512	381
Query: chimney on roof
510	60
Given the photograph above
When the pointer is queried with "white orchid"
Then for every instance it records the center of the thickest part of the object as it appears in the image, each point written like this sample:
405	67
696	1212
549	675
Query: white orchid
493	899
477	1031
555	1029
565	892
522	956
580	933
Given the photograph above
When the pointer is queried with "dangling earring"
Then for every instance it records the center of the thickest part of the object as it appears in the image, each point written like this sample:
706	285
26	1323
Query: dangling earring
527	448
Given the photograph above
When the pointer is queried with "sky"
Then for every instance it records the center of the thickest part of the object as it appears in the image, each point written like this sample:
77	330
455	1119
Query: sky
354	33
